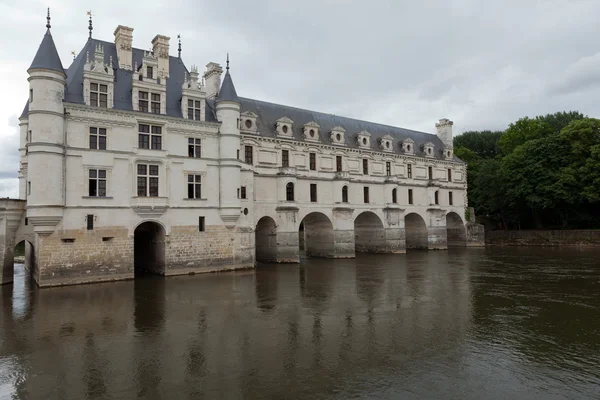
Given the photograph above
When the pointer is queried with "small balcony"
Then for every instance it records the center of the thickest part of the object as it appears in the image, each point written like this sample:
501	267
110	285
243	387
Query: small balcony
288	171
342	176
149	205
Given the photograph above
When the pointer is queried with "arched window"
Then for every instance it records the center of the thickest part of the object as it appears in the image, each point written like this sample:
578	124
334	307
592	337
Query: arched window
345	194
437	197
289	191
394	196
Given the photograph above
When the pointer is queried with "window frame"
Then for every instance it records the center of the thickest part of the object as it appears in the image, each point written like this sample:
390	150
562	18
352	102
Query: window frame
249	154
365	166
99	137
409	171
313	193
394	195
143	101
339	164
345	194
449	174
194	147
436	197
450	198
98	95
410	197
430	172
194	109
290	192
154	103
366	196
150	180
97	182
312	161
194	186
151	139
388	168
285	158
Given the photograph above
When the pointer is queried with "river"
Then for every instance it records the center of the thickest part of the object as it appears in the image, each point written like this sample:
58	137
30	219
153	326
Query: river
495	323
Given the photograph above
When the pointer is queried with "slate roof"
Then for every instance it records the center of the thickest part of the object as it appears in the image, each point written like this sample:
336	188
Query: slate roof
268	113
227	91
47	55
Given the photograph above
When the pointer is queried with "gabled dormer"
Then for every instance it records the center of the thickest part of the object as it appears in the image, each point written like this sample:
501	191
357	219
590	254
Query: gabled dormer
98	79
193	96
385	143
408	146
284	126
337	135
428	150
311	131
149	91
364	140
447	153
248	122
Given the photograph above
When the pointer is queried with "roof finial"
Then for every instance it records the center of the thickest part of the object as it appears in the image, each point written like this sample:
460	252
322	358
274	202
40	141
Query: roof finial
90	28
227	62
48	19
73	54
179	48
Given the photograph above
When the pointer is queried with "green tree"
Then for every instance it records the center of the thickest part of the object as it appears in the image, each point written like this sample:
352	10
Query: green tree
482	143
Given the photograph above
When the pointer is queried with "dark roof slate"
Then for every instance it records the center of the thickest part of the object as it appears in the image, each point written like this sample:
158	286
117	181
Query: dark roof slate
47	55
227	92
269	113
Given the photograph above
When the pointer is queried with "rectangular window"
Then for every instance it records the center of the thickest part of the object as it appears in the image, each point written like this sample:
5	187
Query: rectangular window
366	194
388	168
338	163
150	137
450	200
30	95
243	192
194	186
449	175
365	166
409	170
410	196
90	222
285	158
345	194
194	147
147	180
436	197
97	183
143	101
430	172
312	161
149	72
26	221
28	188
97	138
98	95
394	196
201	224
155	103
194	109
248	154
313	192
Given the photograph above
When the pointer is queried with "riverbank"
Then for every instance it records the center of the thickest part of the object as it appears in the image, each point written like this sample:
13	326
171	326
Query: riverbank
555	238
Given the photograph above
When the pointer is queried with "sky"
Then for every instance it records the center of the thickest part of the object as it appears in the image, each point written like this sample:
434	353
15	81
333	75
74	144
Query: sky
406	63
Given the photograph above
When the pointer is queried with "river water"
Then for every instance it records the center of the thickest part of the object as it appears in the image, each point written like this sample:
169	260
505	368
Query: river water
495	323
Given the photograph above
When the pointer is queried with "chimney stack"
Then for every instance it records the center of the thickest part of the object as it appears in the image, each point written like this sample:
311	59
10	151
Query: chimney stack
123	42
160	48
444	132
212	79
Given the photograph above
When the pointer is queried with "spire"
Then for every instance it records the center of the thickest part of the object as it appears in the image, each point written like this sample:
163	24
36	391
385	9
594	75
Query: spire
90	27
47	55
179	48
227	92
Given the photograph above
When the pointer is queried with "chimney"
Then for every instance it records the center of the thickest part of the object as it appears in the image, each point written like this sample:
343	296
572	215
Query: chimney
444	132
123	42
160	48
212	79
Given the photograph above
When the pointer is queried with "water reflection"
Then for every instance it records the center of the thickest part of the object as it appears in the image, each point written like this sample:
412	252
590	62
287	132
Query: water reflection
479	323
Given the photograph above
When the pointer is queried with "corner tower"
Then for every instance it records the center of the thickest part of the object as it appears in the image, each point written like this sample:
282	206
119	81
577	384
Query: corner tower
228	113
46	168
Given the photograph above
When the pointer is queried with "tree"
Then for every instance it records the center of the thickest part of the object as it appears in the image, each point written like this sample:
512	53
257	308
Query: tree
482	143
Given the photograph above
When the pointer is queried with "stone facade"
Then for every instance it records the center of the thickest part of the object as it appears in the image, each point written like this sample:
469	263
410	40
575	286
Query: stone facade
186	177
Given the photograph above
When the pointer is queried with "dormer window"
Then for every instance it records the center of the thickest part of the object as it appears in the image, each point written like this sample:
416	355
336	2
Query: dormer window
386	143
364	140
337	135
408	146
98	95
311	131
248	122
284	127
428	150
194	109
447	153
149	72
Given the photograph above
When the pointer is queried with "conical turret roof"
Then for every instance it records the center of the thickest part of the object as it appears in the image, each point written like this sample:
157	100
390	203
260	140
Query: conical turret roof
227	92
47	56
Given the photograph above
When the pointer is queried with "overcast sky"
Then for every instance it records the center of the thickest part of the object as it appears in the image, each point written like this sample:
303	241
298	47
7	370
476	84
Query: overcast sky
407	63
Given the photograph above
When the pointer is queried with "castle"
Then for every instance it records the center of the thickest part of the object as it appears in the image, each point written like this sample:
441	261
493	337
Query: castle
131	161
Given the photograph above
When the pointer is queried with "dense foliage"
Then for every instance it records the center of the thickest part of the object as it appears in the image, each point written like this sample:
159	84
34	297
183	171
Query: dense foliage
541	172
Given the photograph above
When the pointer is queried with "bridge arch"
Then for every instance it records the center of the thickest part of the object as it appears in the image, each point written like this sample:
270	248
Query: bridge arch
369	233
149	248
416	231
456	230
265	238
316	235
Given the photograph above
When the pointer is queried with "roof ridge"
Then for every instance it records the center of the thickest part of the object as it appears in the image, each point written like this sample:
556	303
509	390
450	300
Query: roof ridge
336	115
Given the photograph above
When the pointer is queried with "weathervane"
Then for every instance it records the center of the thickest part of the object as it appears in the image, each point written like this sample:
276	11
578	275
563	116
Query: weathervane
179	49
48	19
227	62
73	53
90	24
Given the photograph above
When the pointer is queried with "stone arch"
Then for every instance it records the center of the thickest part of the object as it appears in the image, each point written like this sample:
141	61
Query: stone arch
265	238
455	230
416	231
369	233
316	232
23	255
149	248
